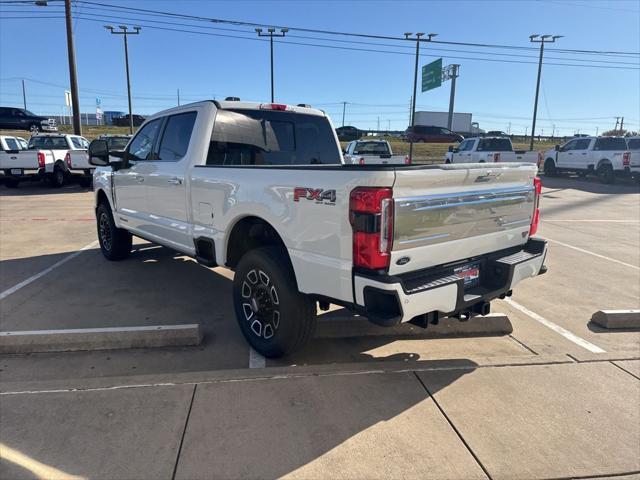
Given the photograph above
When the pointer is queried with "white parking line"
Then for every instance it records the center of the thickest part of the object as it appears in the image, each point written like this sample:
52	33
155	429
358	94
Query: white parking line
556	328
35	277
592	253
256	360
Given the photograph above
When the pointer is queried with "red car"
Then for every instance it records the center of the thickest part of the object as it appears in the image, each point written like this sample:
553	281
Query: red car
424	134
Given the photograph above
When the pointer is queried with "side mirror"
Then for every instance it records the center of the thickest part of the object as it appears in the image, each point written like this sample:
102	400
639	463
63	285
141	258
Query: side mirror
99	153
557	148
450	148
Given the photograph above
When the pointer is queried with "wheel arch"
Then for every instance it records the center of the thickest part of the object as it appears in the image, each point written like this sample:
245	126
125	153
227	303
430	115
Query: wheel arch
603	161
247	233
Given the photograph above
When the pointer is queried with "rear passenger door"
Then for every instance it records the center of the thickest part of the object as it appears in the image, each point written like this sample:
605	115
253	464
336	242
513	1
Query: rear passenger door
166	182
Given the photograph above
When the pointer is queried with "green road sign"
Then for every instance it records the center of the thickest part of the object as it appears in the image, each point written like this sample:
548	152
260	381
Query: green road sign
432	75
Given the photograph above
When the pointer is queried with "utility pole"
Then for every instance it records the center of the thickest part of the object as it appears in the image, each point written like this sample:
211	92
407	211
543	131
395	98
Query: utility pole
24	95
178	97
388	125
407	36
125	33
597	131
525	133
378	124
452	73
344	106
617	120
73	77
541	39
621	123
272	33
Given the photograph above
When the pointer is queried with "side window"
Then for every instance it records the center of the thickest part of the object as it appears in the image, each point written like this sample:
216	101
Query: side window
77	144
463	146
142	144
12	144
569	146
582	144
176	137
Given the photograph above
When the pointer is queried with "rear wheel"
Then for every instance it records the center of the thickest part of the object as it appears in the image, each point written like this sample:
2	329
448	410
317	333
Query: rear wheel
550	168
274	317
115	243
34	127
605	173
57	177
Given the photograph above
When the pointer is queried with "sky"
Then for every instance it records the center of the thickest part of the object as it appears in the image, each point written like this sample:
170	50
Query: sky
375	76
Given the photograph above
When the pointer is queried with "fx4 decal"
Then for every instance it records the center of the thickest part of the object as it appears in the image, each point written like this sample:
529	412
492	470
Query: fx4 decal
327	197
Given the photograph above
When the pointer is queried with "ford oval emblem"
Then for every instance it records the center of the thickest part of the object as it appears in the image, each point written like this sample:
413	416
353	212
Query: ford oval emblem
403	261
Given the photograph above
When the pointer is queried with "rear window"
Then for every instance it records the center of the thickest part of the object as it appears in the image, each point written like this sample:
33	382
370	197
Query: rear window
495	145
634	144
12	144
79	143
117	143
610	143
371	148
257	137
48	143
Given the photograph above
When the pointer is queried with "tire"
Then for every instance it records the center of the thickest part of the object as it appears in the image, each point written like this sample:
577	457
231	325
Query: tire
582	173
85	182
550	168
12	182
115	243
56	179
34	127
274	317
605	173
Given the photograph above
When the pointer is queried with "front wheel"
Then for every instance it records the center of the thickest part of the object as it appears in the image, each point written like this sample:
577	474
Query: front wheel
274	317
115	243
605	173
34	128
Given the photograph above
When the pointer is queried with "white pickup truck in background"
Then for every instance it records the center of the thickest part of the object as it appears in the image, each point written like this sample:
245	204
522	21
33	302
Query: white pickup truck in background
489	150
262	189
606	157
372	152
70	157
633	145
19	165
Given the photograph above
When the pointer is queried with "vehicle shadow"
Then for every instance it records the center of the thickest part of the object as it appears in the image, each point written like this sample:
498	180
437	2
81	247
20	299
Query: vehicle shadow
156	286
41	188
622	186
595	328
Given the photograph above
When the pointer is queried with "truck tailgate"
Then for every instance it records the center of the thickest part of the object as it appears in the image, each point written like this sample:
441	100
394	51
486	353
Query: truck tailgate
21	159
455	212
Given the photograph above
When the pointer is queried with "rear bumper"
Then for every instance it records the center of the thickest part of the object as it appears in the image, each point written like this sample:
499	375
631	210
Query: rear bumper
439	292
85	172
25	172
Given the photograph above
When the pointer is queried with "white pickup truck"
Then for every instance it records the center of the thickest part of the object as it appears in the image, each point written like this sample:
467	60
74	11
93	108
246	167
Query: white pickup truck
263	189
633	145
18	164
488	150
606	157
70	157
372	152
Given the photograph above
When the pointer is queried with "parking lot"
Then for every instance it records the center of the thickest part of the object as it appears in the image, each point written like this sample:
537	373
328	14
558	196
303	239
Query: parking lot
558	397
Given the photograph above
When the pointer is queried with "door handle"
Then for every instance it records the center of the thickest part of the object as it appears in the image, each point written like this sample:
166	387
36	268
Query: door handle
175	181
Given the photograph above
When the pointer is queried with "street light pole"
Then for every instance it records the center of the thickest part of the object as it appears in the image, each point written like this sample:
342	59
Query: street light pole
125	33
272	33
452	72
541	39
407	36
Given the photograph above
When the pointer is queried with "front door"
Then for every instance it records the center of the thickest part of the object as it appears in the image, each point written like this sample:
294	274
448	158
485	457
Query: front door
130	188
166	183
565	155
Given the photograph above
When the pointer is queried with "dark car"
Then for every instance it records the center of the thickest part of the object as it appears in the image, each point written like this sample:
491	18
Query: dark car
348	133
123	121
22	119
426	134
496	133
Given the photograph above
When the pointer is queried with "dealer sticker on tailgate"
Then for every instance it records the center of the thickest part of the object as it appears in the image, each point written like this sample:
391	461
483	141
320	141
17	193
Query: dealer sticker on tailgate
470	273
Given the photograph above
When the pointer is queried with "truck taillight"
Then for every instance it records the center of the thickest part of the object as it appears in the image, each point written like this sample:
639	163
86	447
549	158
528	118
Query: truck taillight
407	160
67	159
626	159
371	217
41	159
496	157
535	219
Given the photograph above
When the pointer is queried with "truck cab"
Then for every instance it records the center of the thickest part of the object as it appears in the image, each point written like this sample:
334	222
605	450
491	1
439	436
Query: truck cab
371	152
488	150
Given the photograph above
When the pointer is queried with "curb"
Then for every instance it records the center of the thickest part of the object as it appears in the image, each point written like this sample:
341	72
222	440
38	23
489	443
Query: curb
617	319
69	340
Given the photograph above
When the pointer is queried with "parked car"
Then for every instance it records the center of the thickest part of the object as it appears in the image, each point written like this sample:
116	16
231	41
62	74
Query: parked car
606	157
123	121
18	164
348	133
372	152
425	134
261	188
496	133
71	159
633	145
21	119
489	150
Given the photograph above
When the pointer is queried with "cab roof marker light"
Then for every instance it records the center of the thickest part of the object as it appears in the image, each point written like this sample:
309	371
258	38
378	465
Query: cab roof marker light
274	106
